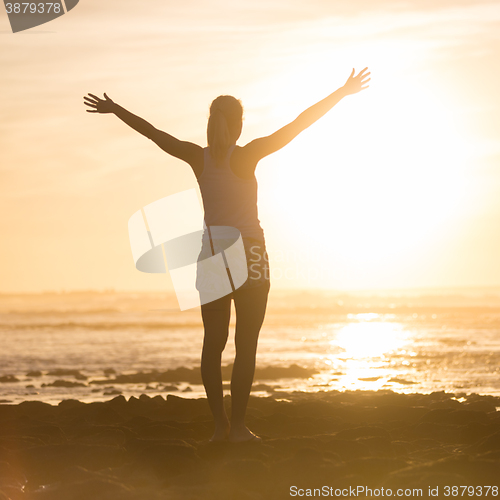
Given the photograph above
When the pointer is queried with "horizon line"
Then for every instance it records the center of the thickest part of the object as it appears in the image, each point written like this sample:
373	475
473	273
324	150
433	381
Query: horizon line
96	291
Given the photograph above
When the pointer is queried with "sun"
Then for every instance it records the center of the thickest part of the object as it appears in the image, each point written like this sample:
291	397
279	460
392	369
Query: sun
378	178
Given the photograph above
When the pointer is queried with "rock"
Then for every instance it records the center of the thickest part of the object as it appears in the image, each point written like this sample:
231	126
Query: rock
347	450
169	459
474	431
11	477
184	408
95	489
489	443
112	392
159	430
358	432
61	372
483	406
48	433
245	471
379	446
66	404
277	372
412	477
263	387
169	388
64	383
373	467
36	409
118	402
436	415
103	435
459	417
437	432
46	464
387	413
159	400
402	381
100	412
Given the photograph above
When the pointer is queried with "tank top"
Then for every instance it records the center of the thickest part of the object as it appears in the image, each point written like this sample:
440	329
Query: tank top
229	200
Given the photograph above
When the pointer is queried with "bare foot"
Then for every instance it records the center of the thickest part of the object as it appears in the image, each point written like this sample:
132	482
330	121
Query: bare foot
242	434
221	433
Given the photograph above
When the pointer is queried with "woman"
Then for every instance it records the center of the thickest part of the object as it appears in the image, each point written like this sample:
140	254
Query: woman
226	175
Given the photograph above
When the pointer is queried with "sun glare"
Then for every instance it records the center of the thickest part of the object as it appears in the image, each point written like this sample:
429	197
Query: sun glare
379	178
363	349
369	340
384	183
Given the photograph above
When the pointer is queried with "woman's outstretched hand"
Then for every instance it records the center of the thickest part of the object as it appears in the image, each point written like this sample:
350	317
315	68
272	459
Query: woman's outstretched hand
357	83
105	105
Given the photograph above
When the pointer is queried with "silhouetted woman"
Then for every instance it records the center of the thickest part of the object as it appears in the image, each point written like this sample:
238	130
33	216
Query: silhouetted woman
226	175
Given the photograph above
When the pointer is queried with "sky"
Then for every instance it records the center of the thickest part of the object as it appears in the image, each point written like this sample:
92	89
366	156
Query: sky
397	187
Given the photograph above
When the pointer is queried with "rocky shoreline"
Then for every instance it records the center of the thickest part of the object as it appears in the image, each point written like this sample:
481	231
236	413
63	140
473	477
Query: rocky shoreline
313	444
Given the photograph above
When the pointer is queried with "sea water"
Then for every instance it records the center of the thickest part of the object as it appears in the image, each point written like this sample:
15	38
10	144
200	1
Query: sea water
56	346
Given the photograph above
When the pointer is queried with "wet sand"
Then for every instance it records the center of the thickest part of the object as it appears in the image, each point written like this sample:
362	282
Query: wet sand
337	442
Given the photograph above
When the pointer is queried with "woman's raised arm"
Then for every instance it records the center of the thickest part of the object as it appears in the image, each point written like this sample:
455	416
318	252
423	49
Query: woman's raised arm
186	151
259	148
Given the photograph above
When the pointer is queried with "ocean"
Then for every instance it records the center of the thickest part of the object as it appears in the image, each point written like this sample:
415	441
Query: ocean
93	346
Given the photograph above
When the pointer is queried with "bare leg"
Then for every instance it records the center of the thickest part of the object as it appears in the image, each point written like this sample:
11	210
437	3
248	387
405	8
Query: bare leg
250	307
216	316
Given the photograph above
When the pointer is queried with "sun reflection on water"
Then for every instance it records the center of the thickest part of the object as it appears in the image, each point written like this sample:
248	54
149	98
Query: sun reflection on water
364	350
369	339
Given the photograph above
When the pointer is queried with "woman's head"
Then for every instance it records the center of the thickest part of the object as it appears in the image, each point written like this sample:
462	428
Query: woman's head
224	125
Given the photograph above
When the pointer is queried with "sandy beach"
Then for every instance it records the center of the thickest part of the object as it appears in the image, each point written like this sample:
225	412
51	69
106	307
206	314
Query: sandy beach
356	444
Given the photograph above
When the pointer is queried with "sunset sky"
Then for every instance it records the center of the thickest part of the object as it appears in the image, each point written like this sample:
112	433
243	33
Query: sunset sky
397	187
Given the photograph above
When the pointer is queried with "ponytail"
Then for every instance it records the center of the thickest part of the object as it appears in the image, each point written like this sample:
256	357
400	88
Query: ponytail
218	136
224	126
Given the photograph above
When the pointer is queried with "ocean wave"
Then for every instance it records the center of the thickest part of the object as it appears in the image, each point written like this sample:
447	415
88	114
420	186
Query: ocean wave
193	375
101	326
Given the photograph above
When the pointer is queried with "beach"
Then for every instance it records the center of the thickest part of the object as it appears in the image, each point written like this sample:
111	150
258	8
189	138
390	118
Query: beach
354	395
355	443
